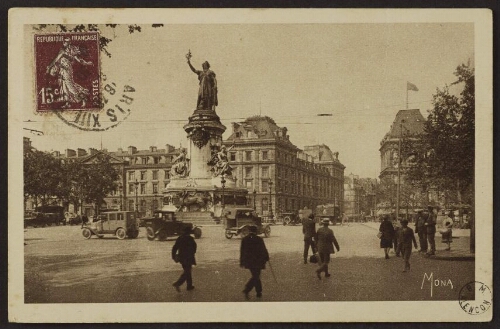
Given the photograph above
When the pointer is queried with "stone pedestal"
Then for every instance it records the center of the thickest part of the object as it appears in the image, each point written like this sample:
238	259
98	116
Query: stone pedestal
199	195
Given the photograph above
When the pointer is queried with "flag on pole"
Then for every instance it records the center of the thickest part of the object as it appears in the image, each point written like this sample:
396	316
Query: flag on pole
411	86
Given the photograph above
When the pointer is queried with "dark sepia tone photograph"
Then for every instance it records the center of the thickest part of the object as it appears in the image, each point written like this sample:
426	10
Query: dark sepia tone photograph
191	161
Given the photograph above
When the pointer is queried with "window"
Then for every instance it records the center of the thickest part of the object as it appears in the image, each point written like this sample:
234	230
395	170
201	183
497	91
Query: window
131	189
143	188
143	175
248	172
155	174
155	188
156	160
232	156
131	205
265	186
265	155
248	185
248	155
144	160
167	174
249	134
265	172
131	175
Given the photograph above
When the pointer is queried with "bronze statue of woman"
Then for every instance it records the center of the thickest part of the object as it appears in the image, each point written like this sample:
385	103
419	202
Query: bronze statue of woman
207	94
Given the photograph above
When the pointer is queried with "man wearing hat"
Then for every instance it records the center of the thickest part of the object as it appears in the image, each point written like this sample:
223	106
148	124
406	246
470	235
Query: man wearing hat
430	225
253	256
309	230
325	240
406	237
183	252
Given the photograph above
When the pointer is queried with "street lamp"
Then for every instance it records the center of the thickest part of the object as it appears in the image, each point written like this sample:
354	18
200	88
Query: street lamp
254	199
270	200
136	199
120	194
223	184
156	201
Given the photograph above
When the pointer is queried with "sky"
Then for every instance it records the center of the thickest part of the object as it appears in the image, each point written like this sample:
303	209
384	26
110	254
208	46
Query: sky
357	73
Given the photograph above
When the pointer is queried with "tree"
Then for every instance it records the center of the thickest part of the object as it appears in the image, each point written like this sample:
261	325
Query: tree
96	180
42	174
443	156
103	40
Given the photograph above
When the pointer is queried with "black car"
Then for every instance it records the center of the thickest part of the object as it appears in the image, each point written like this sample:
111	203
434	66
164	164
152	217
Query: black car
164	224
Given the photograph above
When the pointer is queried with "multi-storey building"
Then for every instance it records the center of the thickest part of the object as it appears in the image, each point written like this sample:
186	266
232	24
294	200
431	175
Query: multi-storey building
143	174
407	125
279	175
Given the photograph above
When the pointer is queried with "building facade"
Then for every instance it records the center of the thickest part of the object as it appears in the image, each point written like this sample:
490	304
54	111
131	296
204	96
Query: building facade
407	125
279	176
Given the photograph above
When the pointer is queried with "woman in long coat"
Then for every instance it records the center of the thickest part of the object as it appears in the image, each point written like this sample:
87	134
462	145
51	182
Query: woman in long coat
387	231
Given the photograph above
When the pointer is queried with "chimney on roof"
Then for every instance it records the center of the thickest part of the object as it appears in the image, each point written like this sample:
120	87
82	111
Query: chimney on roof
92	151
169	148
132	149
70	153
80	152
56	154
152	149
336	154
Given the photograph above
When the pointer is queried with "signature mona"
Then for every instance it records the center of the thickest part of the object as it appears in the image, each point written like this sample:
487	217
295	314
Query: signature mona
434	282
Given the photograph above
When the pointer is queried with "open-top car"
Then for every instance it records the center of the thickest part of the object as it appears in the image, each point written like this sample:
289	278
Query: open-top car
164	224
238	220
122	224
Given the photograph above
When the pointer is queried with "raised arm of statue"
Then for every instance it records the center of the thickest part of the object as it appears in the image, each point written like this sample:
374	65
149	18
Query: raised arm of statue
192	68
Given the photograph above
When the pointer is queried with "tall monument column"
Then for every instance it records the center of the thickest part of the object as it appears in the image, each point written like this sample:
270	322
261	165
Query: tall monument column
197	189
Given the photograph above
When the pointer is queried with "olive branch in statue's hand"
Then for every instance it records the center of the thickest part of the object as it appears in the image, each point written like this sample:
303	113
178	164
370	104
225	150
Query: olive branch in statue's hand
188	56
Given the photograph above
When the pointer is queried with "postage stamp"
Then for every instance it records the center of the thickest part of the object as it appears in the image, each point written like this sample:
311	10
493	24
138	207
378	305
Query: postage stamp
138	135
67	71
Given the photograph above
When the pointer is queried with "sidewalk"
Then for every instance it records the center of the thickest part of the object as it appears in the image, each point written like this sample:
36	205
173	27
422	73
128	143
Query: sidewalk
460	250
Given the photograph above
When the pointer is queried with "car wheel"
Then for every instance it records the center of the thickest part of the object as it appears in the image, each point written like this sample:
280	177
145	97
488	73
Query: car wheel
267	231
228	234
150	233
120	233
86	233
197	232
287	220
162	235
245	231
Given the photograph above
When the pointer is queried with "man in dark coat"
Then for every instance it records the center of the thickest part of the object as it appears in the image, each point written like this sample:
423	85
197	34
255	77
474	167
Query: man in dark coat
326	239
421	230
253	256
183	252
430	225
405	240
309	230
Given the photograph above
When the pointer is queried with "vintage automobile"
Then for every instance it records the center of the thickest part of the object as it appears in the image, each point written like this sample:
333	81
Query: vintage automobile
52	215
164	224
330	212
72	218
291	218
119	223
238	220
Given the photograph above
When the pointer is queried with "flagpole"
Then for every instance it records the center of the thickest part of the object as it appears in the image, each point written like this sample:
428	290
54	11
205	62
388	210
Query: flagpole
407	95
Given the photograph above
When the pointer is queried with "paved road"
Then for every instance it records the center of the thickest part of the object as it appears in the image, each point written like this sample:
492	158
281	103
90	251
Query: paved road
62	267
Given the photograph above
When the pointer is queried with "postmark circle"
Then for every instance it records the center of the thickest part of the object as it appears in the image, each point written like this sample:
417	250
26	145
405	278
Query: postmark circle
116	107
475	298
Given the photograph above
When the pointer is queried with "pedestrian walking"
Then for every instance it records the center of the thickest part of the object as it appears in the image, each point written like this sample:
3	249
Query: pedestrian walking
446	231
421	230
387	235
183	252
326	239
85	220
430	225
406	237
397	227
309	231
345	219
253	256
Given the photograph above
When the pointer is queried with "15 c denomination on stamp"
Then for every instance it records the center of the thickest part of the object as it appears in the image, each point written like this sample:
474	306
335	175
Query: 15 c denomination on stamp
67	73
475	298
